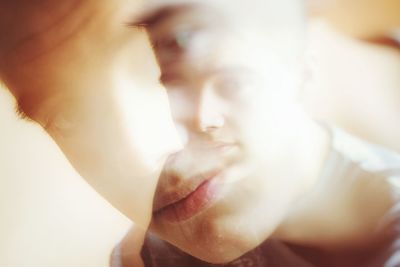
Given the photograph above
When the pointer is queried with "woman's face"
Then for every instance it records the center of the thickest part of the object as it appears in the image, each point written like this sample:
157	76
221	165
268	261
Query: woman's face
76	68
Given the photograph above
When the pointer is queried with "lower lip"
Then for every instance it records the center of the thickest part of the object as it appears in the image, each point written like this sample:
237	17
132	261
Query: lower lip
195	202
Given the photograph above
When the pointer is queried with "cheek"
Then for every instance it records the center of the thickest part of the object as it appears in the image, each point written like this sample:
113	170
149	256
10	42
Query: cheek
258	124
182	104
117	137
248	122
113	126
144	115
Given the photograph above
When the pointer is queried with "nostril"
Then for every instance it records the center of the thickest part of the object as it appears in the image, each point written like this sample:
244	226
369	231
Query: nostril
208	129
211	124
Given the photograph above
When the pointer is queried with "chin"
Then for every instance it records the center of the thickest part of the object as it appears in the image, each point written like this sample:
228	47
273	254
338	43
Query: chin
214	253
220	258
212	238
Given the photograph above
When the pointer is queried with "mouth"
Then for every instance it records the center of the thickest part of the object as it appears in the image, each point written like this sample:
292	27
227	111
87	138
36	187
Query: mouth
196	201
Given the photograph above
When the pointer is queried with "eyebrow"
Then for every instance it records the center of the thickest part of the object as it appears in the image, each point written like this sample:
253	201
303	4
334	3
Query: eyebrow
156	15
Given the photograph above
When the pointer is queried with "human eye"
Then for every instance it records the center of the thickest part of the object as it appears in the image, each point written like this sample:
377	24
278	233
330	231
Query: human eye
173	43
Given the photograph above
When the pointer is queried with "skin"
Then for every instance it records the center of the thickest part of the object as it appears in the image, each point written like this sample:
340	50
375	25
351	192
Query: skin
76	68
218	98
217	113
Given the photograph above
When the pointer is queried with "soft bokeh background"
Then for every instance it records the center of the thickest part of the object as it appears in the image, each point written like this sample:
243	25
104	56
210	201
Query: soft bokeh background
49	216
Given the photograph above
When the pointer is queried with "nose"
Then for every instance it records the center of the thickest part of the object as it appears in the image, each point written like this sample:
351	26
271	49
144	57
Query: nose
197	111
209	115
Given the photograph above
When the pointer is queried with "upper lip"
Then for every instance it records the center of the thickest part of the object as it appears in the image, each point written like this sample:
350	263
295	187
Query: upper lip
164	200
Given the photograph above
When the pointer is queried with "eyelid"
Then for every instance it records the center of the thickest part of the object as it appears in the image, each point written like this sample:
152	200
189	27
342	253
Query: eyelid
180	37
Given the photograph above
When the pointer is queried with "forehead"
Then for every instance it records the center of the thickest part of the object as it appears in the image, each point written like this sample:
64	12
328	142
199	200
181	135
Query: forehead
274	13
275	23
265	36
159	17
202	28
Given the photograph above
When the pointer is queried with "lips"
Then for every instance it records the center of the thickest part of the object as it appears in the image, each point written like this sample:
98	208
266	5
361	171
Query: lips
193	203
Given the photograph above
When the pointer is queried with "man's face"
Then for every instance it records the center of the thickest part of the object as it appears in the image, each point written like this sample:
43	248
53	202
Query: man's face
217	198
76	68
